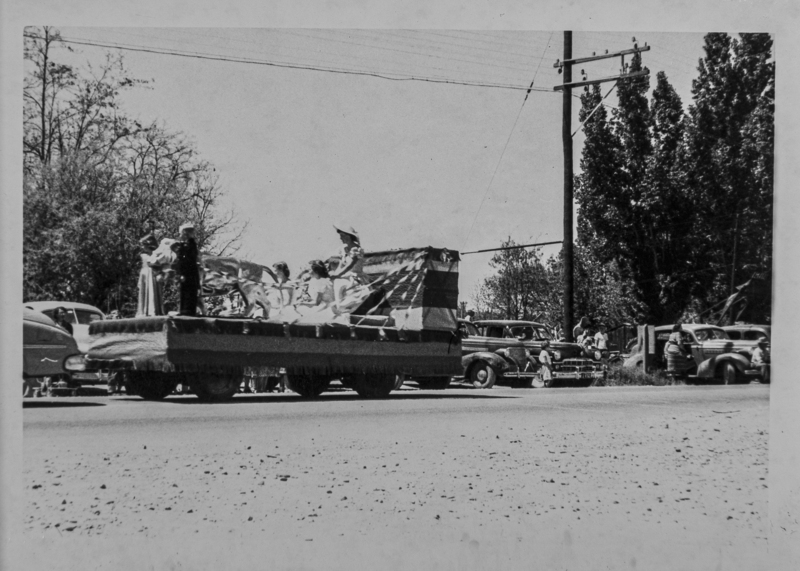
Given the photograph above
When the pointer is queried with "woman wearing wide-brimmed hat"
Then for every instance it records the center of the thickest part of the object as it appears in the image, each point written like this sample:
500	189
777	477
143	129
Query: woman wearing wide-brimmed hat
350	272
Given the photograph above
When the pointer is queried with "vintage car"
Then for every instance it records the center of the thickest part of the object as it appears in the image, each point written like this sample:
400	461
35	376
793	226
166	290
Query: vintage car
714	355
504	351
47	353
80	315
748	332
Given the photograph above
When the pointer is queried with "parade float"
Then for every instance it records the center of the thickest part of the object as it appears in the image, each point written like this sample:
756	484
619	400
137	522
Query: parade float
400	325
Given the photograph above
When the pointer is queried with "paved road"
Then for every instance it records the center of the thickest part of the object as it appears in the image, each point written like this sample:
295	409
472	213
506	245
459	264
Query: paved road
603	478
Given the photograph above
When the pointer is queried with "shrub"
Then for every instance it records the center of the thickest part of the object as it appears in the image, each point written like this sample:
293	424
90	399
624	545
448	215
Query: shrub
619	376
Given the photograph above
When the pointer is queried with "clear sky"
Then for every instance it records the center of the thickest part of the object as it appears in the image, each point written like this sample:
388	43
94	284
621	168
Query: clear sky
407	163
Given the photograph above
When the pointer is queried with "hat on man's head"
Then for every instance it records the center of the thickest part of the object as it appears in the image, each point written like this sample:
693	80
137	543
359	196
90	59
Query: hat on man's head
186	226
346	230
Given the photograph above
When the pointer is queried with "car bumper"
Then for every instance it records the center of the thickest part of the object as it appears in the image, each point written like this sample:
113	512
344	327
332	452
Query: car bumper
579	376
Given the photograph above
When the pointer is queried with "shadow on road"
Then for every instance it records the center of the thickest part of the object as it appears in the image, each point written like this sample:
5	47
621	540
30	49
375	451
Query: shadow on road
58	404
288	398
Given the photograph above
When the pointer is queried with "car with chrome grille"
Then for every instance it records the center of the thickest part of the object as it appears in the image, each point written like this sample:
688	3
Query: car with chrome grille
507	352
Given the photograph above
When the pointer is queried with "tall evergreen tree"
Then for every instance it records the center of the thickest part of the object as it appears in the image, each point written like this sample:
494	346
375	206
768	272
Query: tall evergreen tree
728	159
629	193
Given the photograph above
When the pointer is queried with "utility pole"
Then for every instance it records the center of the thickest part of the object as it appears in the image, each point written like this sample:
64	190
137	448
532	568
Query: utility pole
565	67
566	140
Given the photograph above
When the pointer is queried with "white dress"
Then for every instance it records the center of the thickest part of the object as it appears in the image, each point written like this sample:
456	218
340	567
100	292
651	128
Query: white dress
321	291
544	359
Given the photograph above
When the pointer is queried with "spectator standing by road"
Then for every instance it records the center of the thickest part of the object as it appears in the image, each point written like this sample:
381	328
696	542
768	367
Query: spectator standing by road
470	315
674	351
188	270
580	329
760	359
546	362
601	338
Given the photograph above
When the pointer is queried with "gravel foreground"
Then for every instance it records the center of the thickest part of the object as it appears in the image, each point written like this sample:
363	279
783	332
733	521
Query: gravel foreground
628	478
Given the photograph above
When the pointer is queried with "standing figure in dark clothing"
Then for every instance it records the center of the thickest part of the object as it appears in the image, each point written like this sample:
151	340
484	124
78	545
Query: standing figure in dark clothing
188	270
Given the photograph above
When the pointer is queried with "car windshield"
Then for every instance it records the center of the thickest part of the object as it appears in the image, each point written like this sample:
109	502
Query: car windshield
87	317
542	333
522	332
706	334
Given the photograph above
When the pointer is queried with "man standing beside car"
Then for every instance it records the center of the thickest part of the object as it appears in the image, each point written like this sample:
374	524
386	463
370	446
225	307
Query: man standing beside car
760	359
601	338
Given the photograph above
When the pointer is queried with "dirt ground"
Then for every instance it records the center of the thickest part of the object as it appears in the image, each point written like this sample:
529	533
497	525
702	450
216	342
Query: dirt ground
638	478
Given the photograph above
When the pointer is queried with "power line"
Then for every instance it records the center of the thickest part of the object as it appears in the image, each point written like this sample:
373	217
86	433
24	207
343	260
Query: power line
214	57
313	63
494	65
515	247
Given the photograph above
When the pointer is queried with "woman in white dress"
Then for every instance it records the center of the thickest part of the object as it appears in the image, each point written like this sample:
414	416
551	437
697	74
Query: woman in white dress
350	273
284	290
149	302
320	286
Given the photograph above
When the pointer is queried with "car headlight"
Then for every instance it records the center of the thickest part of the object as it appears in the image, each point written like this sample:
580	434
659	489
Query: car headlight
598	355
75	363
557	355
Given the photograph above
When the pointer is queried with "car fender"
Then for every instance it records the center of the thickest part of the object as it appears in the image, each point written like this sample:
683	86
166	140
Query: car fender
708	368
496	362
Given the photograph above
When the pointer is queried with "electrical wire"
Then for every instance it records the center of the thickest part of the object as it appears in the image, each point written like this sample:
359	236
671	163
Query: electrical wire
214	57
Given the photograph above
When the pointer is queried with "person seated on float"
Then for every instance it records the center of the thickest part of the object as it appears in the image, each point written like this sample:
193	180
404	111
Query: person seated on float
320	287
284	290
350	272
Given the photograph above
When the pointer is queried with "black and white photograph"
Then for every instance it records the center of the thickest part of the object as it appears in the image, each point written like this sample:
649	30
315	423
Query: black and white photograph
411	296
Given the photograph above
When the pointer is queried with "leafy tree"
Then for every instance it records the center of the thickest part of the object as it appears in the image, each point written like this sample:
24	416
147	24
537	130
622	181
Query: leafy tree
95	181
729	157
521	287
682	204
527	287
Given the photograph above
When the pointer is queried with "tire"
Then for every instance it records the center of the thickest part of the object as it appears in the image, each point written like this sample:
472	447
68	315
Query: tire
216	387
308	386
375	386
482	376
766	378
433	383
728	374
151	385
